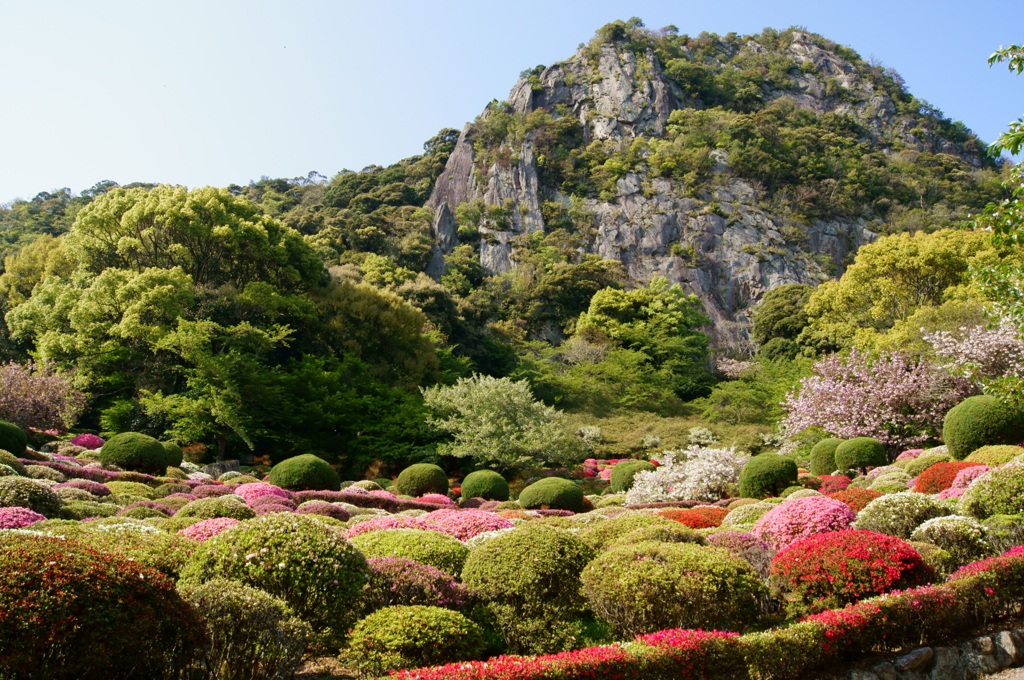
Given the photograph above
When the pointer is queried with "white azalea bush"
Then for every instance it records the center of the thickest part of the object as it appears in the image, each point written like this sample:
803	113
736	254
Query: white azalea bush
698	473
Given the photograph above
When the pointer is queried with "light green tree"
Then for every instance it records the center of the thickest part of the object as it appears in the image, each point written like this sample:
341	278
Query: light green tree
497	422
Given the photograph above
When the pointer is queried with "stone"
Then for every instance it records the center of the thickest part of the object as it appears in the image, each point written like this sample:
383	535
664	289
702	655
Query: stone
862	675
1006	651
978	656
885	671
915	659
947	664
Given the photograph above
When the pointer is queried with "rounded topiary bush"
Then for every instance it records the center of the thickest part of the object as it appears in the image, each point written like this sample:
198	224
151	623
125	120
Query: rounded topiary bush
994	456
433	548
1000	491
217	506
317	572
305	473
915	467
624	472
553	493
898	514
802	517
412	636
87	441
528	579
8	458
324	509
964	540
252	634
827	571
646	587
146	545
1004	532
767	475
402	581
756	552
18	518
26	493
746	514
859	453
421	479
465	524
68	612
601	534
174	454
486	484
663	534
13	439
823	456
979	421
135	451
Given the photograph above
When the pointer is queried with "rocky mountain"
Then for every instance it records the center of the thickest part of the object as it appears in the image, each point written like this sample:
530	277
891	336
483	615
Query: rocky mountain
730	165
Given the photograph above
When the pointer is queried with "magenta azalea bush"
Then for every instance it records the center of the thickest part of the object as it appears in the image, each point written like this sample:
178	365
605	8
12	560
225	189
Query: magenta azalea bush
402	581
895	398
324	509
208	528
436	498
18	518
802	517
89	441
254	490
95	488
465	524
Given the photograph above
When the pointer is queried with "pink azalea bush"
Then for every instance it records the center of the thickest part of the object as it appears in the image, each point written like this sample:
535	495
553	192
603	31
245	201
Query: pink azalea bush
392	522
254	490
208	528
895	398
324	509
964	478
436	499
910	454
95	488
89	441
802	517
18	518
465	524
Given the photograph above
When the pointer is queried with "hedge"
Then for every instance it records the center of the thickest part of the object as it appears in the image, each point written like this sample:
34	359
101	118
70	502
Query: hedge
979	593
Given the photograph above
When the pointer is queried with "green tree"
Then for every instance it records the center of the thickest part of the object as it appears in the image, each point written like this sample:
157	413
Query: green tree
781	313
497	422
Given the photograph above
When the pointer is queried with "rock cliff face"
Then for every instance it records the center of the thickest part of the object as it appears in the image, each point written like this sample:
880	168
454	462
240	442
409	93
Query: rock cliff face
721	243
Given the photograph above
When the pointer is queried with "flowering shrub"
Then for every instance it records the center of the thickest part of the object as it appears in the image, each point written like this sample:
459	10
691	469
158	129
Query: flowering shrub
898	514
896	398
995	455
167	553
38	396
967	475
436	498
910	454
999	491
941	476
756	552
27	493
744	515
253	490
646	587
599	535
144	509
832	483
963	539
431	547
271	499
856	499
465	524
217	506
18	518
253	634
981	354
271	508
832	569
703	517
87	441
65	613
410	636
401	581
663	534
392	522
208	528
792	520
317	572
529	581
324	510
698	473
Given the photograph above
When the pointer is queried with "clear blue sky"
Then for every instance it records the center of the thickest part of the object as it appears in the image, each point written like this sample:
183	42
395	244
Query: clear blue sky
220	92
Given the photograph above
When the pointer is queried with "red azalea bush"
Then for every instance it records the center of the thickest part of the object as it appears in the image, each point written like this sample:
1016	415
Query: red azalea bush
688	517
68	612
833	483
832	569
465	524
856	498
713	513
802	517
941	476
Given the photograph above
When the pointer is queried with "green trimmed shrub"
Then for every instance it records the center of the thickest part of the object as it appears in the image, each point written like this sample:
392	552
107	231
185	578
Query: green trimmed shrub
1000	491
13	439
823	456
167	553
766	475
252	634
979	421
79	510
217	506
131	489
528	580
662	534
487	484
964	540
1005	532
175	473
647	587
554	493
165	490
174	454
43	472
602	534
996	455
8	458
309	566
68	612
412	636
26	493
915	467
421	479
135	451
433	548
748	513
898	514
859	453
305	473
624	472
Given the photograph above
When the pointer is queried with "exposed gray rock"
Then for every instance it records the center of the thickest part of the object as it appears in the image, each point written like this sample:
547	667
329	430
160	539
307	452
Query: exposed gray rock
915	659
1007	652
885	671
863	675
947	664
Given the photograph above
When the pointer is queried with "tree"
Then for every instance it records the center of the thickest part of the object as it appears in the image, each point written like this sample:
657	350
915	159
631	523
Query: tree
39	396
781	313
1013	139
497	422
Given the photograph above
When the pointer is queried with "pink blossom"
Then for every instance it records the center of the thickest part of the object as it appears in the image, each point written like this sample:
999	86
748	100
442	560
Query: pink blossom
89	441
253	490
392	522
18	518
465	524
964	478
436	499
800	518
951	492
910	454
208	528
381	493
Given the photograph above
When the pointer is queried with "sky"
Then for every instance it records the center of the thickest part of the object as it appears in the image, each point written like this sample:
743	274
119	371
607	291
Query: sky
215	92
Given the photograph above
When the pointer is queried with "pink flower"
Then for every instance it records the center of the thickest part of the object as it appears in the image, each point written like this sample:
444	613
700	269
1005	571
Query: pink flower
18	518
208	528
254	490
436	499
800	518
465	524
393	522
